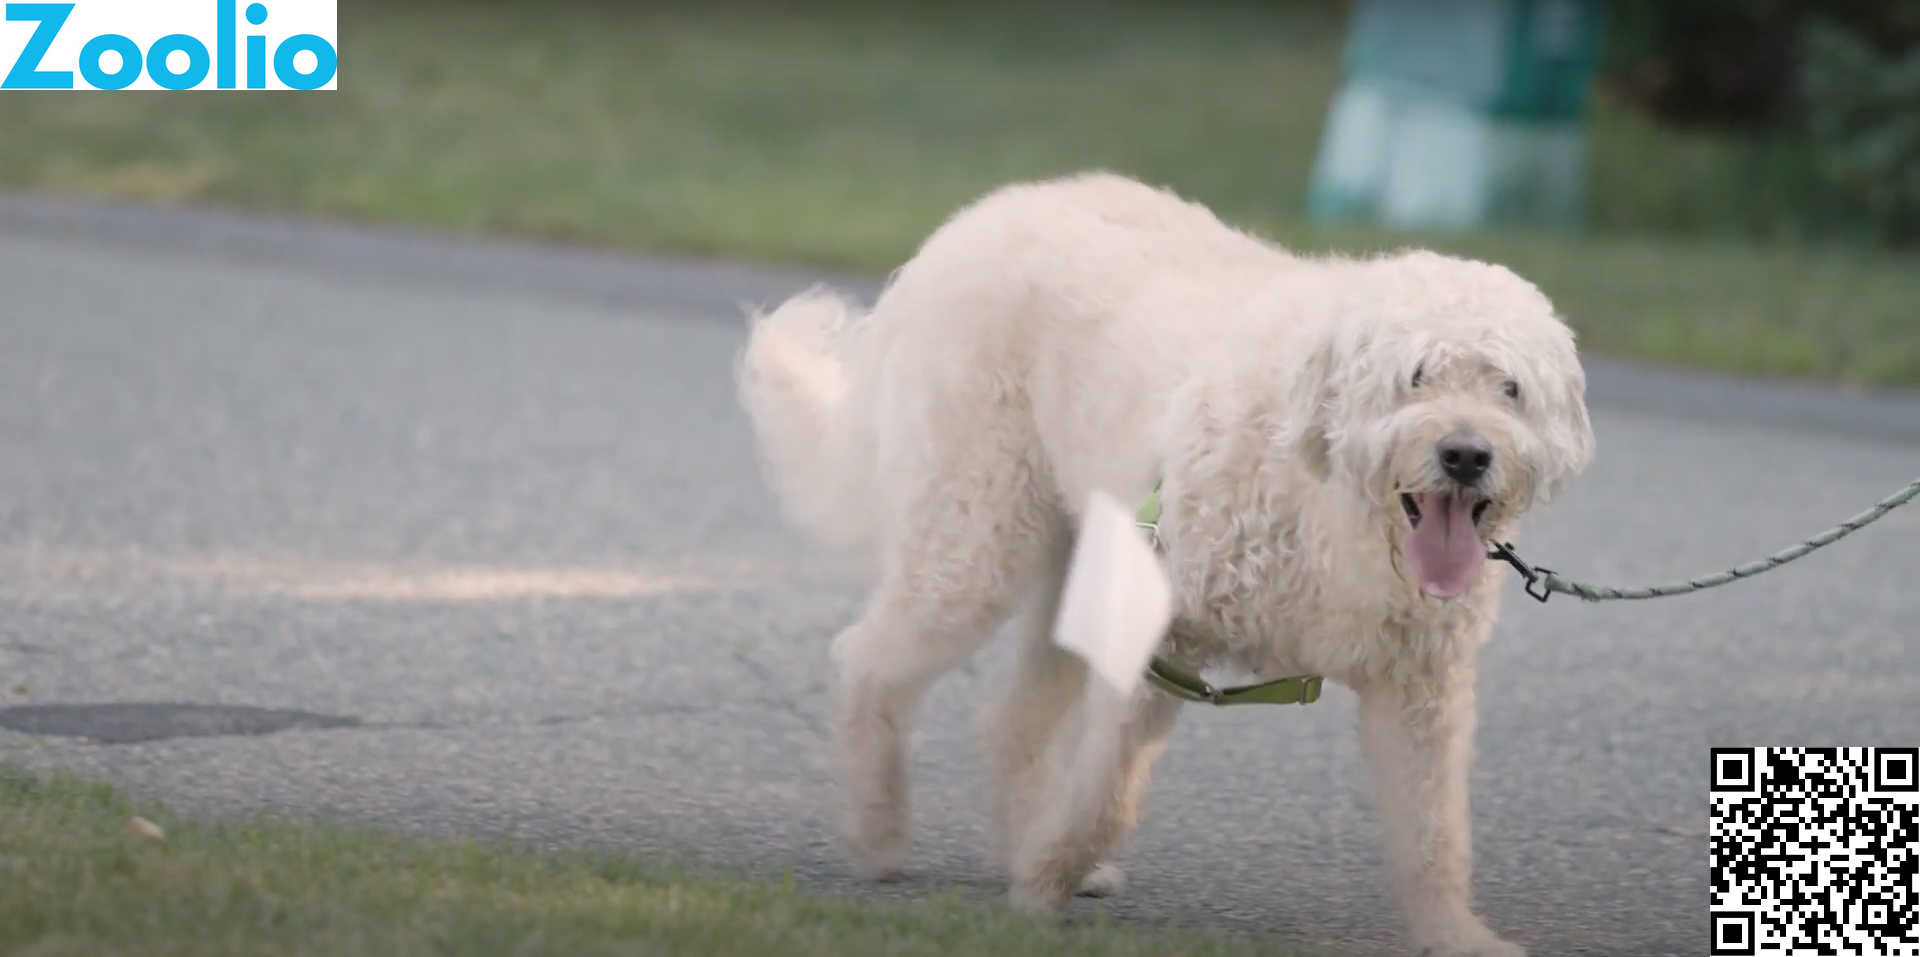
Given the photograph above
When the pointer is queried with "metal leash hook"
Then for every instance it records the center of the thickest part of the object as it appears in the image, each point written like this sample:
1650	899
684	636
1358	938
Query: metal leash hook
1535	575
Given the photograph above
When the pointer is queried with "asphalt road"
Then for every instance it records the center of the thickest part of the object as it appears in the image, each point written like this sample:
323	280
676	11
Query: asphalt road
480	523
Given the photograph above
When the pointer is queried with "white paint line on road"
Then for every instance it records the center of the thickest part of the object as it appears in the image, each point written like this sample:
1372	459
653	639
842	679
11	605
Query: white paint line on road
74	573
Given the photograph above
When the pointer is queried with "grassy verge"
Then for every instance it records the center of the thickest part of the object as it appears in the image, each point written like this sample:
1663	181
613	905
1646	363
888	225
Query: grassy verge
76	881
840	135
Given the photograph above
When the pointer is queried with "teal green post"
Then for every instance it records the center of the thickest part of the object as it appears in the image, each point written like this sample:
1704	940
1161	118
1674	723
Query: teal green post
1460	113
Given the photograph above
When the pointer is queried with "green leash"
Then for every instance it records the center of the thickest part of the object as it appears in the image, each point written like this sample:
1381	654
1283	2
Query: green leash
1186	685
1542	582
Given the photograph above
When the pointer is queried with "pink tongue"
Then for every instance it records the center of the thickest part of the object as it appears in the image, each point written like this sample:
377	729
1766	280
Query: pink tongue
1444	549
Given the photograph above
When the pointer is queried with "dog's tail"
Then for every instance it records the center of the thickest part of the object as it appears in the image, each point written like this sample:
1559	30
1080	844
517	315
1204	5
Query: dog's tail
796	377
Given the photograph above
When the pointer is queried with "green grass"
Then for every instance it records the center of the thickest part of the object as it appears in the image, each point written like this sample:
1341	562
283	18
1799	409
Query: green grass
841	136
74	881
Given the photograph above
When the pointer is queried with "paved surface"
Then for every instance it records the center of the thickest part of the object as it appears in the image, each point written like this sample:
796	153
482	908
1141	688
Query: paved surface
475	529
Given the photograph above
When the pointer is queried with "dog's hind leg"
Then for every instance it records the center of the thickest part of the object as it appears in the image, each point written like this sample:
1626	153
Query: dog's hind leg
1095	803
1020	727
955	572
884	663
1153	722
1023	723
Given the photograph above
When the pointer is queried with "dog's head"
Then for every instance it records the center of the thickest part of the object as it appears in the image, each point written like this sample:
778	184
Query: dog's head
1447	396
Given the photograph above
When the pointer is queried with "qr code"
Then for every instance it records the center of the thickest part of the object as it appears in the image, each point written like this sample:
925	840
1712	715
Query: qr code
1812	851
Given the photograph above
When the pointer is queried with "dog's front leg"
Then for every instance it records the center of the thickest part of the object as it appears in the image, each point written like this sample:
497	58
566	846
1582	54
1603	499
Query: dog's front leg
1419	740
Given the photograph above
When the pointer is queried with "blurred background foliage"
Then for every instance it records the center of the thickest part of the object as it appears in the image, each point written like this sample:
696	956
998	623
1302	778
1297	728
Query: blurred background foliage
1751	193
1863	110
1817	103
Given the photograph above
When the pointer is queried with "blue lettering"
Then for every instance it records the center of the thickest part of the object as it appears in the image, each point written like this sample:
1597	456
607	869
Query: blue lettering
221	62
326	61
197	62
256	49
224	29
26	73
256	63
129	62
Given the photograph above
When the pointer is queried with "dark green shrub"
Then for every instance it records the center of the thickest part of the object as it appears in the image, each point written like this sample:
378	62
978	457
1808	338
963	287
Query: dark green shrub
1733	62
1862	108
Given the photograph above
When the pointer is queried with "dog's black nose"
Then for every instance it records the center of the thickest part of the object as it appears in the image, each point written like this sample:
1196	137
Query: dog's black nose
1464	456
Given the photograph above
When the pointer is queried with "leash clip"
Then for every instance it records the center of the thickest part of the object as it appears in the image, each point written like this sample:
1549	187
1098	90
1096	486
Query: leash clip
1537	577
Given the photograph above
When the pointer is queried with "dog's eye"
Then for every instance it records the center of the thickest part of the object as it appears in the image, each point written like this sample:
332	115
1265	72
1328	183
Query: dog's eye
1419	372
1511	388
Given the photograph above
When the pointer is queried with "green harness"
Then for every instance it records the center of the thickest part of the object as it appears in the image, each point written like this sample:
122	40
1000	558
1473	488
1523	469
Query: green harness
1181	683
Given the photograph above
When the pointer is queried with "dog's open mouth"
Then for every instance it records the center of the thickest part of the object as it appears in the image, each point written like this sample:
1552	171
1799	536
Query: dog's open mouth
1443	545
1412	508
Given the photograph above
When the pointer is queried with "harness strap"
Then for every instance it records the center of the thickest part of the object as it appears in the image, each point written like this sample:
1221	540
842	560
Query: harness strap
1181	683
1186	685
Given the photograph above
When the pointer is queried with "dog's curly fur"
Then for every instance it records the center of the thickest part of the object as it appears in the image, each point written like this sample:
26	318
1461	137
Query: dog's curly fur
1093	333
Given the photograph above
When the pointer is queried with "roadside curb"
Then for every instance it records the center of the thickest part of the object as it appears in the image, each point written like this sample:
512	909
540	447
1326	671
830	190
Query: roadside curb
413	254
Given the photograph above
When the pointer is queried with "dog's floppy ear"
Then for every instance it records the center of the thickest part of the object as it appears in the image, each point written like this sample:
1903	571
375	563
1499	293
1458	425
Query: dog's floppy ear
1307	398
1569	429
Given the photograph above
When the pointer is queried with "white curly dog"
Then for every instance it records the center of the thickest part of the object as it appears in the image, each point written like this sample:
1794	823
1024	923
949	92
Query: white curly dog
1336	441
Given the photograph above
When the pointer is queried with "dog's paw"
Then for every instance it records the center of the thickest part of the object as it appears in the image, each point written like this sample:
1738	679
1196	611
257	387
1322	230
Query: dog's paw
1473	940
886	862
1105	880
880	870
1494	947
1038	899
